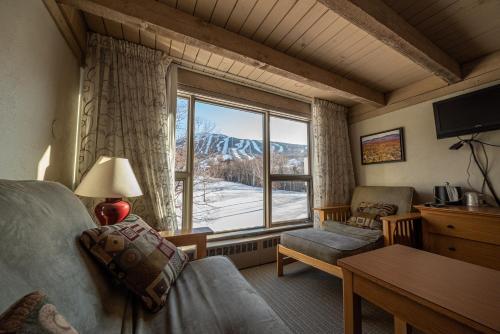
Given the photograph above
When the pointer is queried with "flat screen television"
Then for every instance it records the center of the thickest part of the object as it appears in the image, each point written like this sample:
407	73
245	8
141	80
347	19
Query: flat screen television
474	112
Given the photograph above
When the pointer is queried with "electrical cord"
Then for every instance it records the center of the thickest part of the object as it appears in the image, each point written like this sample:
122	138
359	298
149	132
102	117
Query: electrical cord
483	143
481	169
487	168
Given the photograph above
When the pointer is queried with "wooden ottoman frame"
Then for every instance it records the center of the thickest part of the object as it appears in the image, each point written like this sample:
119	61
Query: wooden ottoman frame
400	229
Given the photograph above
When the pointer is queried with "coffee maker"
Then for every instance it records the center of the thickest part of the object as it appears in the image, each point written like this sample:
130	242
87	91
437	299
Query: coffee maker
447	195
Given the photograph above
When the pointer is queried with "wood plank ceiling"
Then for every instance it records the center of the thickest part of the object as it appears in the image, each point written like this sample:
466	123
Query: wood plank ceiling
306	29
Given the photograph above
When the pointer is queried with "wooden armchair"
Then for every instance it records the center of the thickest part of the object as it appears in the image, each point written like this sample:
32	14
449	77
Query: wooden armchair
314	246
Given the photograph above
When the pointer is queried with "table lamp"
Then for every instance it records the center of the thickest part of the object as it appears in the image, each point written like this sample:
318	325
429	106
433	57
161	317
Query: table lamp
112	179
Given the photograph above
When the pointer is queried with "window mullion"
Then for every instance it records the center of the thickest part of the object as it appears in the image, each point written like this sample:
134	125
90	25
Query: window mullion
188	195
267	171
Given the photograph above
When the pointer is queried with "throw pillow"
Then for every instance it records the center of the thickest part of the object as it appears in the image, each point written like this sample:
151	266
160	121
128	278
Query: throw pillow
137	256
368	215
34	314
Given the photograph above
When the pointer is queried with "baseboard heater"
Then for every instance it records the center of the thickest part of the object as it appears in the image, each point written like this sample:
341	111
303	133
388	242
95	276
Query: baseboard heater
247	252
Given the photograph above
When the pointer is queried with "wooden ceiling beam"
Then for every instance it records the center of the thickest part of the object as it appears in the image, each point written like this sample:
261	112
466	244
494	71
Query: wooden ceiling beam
476	73
169	22
383	23
67	26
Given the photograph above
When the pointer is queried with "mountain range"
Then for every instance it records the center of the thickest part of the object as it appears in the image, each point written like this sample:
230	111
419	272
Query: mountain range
231	148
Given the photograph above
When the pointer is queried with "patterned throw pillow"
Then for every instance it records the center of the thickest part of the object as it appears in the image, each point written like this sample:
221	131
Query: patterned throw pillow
34	314
368	215
139	257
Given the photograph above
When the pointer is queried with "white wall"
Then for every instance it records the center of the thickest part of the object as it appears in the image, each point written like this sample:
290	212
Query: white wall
428	162
39	85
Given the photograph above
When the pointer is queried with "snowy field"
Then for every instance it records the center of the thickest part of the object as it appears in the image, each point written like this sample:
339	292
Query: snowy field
226	206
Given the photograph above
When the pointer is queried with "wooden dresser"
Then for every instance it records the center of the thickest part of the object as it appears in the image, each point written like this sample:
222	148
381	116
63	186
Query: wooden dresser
470	234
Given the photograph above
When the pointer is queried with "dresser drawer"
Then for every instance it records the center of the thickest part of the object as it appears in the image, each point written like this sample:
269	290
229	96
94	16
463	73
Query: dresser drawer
473	227
483	254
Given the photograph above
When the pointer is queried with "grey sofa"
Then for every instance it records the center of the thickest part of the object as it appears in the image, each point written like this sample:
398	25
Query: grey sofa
40	223
322	247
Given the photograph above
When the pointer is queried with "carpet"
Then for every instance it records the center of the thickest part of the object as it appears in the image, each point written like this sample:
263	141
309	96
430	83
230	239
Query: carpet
310	301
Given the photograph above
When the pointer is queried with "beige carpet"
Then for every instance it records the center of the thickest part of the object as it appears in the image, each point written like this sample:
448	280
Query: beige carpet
310	301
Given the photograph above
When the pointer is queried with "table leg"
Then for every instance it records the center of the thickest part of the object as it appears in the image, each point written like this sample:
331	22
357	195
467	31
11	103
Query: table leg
201	247
352	305
401	326
279	262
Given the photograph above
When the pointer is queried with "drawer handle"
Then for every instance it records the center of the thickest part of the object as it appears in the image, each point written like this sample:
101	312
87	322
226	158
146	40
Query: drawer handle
450	226
452	249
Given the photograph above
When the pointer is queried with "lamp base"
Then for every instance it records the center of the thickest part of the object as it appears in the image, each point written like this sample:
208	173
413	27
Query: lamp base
112	211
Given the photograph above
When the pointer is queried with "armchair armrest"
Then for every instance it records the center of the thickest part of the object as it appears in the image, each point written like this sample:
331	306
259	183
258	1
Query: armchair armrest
333	207
337	212
402	229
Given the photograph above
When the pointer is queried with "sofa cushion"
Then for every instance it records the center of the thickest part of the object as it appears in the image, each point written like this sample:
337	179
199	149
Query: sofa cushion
333	242
211	296
138	256
40	223
34	313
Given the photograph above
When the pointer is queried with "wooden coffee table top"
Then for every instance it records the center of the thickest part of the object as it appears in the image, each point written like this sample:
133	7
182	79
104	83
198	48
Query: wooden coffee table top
458	289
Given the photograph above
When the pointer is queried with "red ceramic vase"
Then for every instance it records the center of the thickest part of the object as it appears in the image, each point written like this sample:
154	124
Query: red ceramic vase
112	211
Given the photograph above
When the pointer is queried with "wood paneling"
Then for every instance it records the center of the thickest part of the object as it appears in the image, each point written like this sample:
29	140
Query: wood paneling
160	19
476	73
465	29
70	25
308	30
381	21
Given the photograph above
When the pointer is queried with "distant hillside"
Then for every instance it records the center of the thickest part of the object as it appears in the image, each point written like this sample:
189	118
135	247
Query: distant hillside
383	139
231	148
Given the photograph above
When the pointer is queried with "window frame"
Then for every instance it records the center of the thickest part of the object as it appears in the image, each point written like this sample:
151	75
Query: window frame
186	176
292	177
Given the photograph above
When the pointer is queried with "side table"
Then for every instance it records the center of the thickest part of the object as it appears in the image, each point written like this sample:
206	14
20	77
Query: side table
197	237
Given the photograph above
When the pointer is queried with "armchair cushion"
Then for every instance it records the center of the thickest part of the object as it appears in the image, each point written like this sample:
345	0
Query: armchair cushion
333	242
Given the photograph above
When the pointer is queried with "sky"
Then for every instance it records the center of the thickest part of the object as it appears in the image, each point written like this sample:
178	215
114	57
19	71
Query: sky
249	125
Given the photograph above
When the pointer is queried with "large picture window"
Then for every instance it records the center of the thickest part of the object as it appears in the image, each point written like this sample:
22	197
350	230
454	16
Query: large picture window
238	167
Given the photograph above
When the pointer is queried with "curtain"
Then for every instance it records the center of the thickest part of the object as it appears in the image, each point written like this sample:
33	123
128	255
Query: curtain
128	110
333	174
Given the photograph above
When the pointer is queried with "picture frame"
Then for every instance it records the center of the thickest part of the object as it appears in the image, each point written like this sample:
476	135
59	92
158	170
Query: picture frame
382	147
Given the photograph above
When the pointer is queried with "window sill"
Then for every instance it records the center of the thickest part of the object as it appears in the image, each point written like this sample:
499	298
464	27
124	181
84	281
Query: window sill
256	232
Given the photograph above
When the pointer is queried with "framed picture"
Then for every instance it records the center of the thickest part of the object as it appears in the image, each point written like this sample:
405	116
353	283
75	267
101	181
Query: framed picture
381	147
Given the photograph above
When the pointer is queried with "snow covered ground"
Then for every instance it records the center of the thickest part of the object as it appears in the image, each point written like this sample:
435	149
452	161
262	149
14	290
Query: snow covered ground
223	205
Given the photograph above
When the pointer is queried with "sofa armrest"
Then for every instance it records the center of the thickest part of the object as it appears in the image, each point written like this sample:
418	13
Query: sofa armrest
337	212
402	229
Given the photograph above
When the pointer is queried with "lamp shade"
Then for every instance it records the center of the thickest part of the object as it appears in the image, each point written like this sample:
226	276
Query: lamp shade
110	178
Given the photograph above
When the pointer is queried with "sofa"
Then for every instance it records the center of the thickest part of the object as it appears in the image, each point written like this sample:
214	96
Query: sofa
40	225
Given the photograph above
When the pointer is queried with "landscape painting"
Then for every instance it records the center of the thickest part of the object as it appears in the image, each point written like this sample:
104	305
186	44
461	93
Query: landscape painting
380	147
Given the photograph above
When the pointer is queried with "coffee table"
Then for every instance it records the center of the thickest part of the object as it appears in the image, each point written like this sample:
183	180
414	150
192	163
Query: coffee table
427	291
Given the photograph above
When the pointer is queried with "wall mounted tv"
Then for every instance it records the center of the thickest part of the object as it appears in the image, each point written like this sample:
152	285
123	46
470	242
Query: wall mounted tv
474	112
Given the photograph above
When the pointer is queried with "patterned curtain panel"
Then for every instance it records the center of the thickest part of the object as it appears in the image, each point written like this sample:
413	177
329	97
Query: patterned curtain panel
128	110
333	174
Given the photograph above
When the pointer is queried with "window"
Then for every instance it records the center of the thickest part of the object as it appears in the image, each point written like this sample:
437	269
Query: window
289	147
179	200
290	179
228	191
181	134
182	140
222	176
